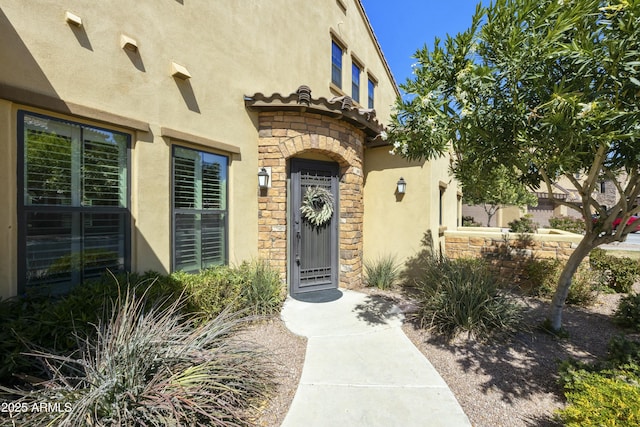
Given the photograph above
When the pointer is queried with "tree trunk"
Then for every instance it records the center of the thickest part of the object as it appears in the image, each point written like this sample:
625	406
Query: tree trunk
564	282
490	210
489	220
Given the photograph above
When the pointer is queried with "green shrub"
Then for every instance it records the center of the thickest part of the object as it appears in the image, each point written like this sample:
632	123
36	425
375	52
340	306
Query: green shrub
469	221
585	285
624	273
622	351
456	296
628	312
382	273
210	291
541	279
597	258
523	225
567	223
262	292
604	398
152	367
621	272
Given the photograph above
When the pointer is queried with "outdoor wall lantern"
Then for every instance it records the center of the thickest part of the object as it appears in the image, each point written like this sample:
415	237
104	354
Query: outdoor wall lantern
402	185
263	178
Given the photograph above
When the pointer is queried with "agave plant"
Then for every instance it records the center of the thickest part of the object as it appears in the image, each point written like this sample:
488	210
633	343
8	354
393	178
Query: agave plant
152	367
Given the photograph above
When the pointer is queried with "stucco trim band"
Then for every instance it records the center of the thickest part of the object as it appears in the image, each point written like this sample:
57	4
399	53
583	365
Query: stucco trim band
187	137
34	99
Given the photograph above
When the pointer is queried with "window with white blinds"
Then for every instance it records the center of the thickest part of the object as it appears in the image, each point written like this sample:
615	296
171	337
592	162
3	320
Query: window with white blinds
74	210
199	209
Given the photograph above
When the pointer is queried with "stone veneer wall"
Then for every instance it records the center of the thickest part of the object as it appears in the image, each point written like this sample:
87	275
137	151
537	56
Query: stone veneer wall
283	135
508	256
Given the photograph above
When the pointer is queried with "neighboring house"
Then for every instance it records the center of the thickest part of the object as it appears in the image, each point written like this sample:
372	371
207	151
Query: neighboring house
605	193
133	133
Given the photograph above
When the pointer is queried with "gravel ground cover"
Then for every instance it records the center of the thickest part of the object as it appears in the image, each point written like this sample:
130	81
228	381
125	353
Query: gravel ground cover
510	383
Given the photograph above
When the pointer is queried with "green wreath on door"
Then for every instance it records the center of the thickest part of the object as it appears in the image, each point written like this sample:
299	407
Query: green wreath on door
317	206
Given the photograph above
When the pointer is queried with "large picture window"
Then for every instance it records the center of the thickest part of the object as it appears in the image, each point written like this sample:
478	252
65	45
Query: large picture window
74	218
199	209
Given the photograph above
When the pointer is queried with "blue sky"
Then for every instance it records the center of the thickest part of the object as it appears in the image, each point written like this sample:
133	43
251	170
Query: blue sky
404	26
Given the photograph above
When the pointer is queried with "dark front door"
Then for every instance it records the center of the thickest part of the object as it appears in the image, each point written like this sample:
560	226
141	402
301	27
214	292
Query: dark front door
314	248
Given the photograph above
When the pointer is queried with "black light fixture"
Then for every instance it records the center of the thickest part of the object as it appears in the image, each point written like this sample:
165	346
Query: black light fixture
402	186
263	179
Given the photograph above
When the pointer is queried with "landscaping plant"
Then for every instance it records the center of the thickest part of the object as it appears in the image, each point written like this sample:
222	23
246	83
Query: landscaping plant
262	291
523	225
628	312
462	296
567	223
621	272
381	273
509	92
151	367
38	322
604	398
541	279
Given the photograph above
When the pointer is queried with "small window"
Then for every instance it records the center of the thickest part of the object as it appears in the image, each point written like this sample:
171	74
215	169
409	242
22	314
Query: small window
603	187
199	209
336	64
355	81
74	220
441	207
371	87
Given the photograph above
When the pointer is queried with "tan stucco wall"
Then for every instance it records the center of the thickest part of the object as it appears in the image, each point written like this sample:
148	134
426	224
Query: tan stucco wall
8	220
395	225
230	48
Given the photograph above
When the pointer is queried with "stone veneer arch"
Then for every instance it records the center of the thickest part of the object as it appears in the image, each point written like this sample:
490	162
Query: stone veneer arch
287	134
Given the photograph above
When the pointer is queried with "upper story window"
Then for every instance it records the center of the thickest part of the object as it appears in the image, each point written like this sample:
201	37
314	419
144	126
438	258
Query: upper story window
199	209
336	64
74	206
371	87
355	81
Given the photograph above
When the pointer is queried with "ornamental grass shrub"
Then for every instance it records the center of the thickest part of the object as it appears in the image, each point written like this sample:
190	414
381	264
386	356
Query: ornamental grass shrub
39	322
382	273
457	296
151	367
262	292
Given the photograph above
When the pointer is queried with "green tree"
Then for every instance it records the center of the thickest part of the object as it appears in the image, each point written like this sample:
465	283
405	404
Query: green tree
548	87
495	191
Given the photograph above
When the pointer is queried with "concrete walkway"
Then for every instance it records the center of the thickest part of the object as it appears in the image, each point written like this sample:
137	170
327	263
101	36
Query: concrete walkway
360	369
